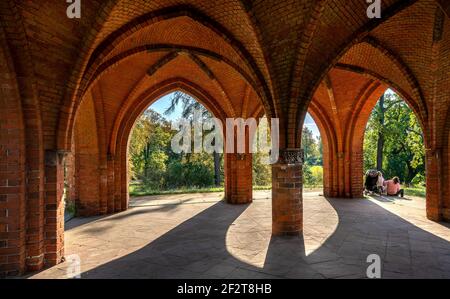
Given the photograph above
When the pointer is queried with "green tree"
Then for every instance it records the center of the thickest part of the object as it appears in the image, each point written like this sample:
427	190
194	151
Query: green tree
262	171
400	152
310	147
149	144
189	105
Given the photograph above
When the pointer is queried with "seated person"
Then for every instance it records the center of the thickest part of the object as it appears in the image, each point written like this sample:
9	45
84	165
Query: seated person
381	183
371	181
393	187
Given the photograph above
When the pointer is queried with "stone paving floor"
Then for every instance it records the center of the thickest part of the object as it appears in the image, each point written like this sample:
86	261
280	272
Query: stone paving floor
199	236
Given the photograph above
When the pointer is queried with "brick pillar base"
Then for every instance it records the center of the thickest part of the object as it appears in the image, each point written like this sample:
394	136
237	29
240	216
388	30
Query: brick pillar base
238	180
287	205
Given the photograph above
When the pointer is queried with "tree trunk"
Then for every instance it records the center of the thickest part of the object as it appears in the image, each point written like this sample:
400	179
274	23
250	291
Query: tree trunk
411	174
217	169
146	160
380	144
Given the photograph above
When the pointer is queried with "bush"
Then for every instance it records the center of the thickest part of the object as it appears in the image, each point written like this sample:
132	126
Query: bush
418	180
196	171
312	175
317	174
262	172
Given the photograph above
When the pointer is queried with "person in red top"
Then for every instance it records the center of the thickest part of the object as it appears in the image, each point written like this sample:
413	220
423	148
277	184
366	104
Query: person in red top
393	187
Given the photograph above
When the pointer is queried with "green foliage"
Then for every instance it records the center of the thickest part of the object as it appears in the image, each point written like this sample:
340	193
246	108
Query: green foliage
156	166
193	170
312	170
313	151
307	175
311	148
312	176
416	191
403	150
317	174
262	172
418	180
153	163
149	144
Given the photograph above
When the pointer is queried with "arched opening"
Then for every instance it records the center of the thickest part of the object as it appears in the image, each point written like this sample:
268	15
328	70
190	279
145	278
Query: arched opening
342	106
90	79
342	114
156	167
312	146
132	67
394	145
101	146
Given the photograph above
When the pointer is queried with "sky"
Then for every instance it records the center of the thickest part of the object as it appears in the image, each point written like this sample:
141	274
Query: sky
161	106
309	122
163	103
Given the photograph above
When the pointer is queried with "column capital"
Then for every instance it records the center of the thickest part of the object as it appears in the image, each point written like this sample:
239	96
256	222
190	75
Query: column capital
54	157
110	157
435	151
291	156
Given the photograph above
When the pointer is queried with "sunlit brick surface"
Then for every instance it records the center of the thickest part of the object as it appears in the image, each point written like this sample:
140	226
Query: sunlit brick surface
71	90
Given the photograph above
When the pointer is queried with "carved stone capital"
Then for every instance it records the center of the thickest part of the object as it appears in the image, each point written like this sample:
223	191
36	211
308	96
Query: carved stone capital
55	157
241	157
291	156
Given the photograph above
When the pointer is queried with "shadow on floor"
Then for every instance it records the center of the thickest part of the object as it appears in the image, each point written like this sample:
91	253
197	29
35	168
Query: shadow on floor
198	248
80	221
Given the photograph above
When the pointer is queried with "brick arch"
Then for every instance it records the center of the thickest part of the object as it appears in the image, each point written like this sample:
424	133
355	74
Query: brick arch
108	65
118	148
95	58
411	93
357	126
300	61
357	91
133	108
232	19
355	137
443	170
357	36
445	6
416	107
329	143
417	93
87	164
338	159
12	166
19	65
175	51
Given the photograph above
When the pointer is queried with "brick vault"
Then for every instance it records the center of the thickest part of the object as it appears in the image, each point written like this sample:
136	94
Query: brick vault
71	90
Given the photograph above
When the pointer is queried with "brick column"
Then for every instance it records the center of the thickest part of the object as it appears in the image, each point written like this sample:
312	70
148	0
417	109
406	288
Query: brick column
287	205
111	184
238	178
54	207
433	177
12	207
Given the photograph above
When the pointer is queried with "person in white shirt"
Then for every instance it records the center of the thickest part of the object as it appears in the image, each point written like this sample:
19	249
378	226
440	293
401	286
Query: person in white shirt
380	183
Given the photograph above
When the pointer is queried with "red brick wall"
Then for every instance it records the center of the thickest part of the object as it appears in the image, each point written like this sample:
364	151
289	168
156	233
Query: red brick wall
87	160
229	54
12	169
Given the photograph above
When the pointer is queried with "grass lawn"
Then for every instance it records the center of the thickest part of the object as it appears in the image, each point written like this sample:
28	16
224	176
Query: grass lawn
137	190
415	191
